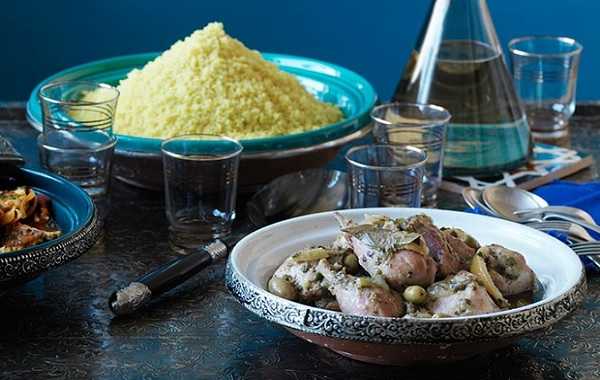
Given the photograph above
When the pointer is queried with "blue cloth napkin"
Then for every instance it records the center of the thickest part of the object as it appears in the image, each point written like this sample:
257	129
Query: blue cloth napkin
585	196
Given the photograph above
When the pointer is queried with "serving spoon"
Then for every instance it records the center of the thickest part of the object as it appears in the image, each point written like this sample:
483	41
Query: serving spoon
507	201
473	198
295	194
504	201
574	211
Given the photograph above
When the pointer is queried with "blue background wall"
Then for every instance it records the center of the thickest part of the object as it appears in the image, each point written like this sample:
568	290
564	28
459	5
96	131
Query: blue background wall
371	37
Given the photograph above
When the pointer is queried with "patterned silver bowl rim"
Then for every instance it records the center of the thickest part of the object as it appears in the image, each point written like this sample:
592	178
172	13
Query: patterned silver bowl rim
32	262
403	330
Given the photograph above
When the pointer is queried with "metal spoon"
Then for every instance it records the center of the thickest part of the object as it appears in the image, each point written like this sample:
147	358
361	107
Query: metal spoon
473	198
506	200
566	210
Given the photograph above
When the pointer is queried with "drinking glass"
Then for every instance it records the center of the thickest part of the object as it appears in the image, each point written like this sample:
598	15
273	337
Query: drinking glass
77	140
419	125
545	76
385	175
200	173
84	157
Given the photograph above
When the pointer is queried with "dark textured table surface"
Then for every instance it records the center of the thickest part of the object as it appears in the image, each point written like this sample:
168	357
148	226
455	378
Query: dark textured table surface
58	325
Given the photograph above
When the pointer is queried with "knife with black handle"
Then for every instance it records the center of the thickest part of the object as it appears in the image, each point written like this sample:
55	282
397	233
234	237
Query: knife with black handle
141	291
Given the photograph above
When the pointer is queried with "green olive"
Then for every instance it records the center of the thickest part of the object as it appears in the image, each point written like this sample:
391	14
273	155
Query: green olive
282	288
415	294
351	263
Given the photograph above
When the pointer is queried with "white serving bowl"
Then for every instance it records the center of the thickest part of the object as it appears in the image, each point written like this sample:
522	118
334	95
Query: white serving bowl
403	341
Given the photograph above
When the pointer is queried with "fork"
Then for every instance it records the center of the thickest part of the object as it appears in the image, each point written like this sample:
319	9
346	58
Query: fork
584	244
587	248
574	230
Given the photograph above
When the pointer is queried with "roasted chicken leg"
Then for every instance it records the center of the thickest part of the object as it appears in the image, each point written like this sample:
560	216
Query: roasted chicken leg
459	295
361	296
508	270
401	258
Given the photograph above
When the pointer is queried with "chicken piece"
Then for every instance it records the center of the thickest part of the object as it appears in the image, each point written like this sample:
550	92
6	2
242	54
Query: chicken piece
40	216
401	258
303	275
459	247
508	270
361	296
447	260
342	242
462	236
459	295
19	236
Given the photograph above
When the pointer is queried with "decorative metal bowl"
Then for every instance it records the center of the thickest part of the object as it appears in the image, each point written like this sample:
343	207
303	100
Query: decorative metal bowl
138	162
75	214
404	341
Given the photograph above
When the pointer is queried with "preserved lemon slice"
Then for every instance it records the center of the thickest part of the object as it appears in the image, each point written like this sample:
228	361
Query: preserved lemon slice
312	254
479	269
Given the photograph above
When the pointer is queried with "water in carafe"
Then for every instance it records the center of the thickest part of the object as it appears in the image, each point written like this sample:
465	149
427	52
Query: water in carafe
459	65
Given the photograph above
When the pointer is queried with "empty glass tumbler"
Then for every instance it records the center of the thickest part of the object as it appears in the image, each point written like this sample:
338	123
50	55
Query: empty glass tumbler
545	76
77	140
385	175
200	174
419	125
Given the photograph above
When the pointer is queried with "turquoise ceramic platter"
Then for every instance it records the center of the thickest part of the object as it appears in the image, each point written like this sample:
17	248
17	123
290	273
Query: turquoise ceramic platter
328	82
75	214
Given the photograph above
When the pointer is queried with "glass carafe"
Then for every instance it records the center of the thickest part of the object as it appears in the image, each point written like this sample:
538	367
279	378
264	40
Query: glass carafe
458	64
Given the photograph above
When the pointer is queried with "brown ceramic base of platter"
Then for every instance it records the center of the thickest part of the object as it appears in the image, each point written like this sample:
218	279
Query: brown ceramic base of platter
404	354
144	170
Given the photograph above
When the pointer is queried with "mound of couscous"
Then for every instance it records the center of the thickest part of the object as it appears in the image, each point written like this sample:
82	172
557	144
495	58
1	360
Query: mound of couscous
211	83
